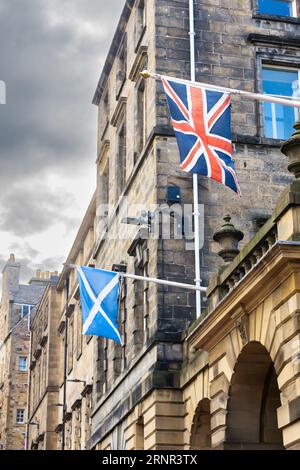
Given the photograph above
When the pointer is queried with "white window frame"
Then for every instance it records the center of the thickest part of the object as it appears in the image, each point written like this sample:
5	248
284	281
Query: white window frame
18	421
273	105
294	9
26	360
30	307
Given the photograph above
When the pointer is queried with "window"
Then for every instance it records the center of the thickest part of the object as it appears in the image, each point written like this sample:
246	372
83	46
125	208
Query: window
279	119
103	114
141	117
102	196
45	315
277	7
24	309
20	416
121	155
141	295
22	363
123	321
70	344
79	332
121	66
140	21
105	365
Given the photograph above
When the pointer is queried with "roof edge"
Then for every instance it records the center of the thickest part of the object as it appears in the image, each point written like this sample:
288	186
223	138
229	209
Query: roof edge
87	222
113	50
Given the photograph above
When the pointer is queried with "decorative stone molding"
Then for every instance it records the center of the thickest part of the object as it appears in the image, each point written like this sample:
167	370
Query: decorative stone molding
291	148
119	112
228	237
103	150
139	64
242	325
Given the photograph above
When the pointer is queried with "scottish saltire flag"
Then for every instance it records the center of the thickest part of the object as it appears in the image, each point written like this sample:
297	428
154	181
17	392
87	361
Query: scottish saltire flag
99	302
202	123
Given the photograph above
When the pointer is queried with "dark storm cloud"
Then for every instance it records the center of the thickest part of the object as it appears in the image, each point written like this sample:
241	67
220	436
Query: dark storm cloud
25	248
51	56
27	211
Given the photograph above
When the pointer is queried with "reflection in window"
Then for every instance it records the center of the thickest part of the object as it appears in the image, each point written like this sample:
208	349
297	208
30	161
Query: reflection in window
277	7
22	363
278	119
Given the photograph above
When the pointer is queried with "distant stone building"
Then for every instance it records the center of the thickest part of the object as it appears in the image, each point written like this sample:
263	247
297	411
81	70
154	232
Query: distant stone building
81	351
17	304
175	382
46	364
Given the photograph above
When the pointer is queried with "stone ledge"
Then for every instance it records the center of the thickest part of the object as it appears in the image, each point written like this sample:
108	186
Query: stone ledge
282	19
285	41
289	197
289	413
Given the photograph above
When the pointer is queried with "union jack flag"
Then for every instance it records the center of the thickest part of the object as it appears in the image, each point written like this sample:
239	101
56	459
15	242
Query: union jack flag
202	123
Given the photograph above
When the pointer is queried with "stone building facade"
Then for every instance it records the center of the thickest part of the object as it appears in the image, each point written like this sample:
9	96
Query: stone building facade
234	45
45	365
17	304
76	419
175	382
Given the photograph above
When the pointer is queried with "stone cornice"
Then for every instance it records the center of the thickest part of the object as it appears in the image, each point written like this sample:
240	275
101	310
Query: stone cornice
138	64
102	150
87	390
119	112
76	404
284	41
113	50
280	262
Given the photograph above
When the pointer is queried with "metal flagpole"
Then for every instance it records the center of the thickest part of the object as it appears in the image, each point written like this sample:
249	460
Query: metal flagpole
292	101
152	279
195	176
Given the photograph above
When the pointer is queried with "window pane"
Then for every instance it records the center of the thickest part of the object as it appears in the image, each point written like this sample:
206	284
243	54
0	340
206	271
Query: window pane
279	119
20	416
22	363
275	7
25	310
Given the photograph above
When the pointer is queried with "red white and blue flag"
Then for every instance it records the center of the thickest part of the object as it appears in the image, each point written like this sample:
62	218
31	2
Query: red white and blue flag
201	120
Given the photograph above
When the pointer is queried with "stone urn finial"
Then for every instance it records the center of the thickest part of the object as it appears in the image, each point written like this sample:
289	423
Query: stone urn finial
228	237
291	148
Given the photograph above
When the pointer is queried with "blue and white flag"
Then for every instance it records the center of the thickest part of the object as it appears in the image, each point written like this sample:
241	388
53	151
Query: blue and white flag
99	302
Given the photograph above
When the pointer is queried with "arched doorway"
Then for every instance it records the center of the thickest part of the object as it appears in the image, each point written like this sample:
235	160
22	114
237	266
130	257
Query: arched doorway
253	401
200	432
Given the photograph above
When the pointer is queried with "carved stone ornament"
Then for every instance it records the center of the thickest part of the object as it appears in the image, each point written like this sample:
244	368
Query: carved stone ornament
242	325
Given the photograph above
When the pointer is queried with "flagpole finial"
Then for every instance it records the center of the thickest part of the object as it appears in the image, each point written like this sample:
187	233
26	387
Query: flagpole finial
145	74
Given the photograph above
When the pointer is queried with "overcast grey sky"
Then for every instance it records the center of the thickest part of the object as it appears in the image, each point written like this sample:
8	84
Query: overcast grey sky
51	56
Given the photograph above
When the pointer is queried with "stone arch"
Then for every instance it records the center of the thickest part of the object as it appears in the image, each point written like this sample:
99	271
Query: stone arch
200	438
253	400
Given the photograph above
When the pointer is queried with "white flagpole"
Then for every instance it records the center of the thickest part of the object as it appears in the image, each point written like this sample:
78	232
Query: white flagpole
151	279
195	176
292	101
28	380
